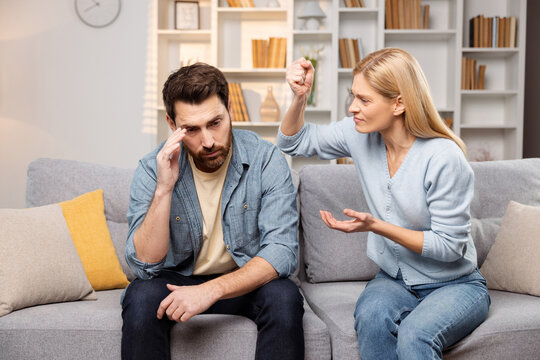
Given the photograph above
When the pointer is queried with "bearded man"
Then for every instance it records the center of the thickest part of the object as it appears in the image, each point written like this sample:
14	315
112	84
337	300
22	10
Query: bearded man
212	227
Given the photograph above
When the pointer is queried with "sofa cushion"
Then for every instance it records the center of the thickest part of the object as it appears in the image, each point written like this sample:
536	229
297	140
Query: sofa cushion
498	182
86	222
52	181
39	263
512	263
93	330
334	303
331	255
511	331
483	232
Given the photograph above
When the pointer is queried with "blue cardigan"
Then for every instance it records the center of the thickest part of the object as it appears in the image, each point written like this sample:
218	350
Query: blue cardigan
431	192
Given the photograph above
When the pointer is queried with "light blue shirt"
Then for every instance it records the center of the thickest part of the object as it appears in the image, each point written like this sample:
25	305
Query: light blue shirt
258	210
430	192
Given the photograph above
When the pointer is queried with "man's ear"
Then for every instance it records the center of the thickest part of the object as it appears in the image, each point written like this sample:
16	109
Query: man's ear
399	106
172	124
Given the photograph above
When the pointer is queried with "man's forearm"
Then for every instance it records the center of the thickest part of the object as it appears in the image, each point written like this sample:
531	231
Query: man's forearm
294	118
151	239
254	274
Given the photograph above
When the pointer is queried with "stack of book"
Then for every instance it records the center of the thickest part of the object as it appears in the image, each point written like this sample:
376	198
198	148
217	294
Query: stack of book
238	104
492	32
270	53
354	3
406	14
350	52
471	79
240	3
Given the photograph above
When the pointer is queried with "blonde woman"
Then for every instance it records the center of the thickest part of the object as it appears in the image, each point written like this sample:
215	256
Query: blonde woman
419	186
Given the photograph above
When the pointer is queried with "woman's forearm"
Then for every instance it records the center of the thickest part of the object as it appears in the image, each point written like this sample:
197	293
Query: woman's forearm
294	117
411	239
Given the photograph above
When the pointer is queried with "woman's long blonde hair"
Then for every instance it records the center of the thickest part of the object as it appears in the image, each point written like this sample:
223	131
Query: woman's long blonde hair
393	72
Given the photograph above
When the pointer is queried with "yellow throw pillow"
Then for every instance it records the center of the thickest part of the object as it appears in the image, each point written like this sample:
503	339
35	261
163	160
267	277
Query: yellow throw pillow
85	218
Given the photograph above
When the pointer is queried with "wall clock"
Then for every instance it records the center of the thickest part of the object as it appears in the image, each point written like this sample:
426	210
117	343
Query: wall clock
97	13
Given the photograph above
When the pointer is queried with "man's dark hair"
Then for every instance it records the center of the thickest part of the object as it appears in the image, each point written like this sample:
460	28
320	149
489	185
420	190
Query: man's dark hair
193	84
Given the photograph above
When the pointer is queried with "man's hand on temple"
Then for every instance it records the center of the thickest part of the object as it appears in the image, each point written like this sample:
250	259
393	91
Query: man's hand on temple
167	161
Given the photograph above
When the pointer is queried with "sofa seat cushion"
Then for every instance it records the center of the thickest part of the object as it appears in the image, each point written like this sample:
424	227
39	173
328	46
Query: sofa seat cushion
93	330
512	329
334	303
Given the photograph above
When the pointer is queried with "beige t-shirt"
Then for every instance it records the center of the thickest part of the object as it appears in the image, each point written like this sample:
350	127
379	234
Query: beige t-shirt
213	258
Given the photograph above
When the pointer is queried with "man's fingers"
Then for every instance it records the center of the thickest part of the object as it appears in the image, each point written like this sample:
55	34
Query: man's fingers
165	304
177	314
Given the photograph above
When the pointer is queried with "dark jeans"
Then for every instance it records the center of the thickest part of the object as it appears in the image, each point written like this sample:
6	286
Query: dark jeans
276	308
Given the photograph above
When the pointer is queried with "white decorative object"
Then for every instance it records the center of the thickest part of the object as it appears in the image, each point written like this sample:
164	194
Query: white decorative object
272	4
312	16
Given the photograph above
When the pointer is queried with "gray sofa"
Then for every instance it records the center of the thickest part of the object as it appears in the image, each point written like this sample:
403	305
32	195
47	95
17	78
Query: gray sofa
333	271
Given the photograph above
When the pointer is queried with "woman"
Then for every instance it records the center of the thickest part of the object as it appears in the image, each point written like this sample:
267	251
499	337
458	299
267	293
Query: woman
419	186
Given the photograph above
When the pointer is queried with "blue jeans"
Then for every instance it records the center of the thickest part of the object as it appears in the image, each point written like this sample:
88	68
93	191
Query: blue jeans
276	308
397	321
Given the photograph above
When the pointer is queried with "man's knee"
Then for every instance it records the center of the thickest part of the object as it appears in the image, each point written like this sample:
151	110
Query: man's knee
283	300
141	301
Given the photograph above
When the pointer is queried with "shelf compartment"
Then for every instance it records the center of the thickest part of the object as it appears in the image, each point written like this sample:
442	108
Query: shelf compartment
359	25
166	14
501	69
495	110
437	60
235	34
325	5
485	144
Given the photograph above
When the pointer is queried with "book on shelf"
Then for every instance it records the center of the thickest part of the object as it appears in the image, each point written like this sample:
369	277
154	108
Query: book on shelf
471	78
354	3
271	53
240	3
238	103
493	31
350	52
406	14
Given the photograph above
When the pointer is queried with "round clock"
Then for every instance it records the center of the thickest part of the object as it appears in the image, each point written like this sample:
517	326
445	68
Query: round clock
97	13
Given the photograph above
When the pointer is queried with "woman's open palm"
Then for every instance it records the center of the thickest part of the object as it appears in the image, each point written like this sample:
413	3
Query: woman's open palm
360	221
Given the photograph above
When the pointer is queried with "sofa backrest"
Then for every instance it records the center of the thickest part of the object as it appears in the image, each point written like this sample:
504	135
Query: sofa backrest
51	181
330	255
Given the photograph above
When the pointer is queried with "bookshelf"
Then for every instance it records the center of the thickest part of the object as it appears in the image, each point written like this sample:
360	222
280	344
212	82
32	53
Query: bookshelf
490	120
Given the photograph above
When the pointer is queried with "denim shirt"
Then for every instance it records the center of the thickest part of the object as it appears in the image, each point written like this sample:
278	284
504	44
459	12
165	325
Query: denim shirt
258	210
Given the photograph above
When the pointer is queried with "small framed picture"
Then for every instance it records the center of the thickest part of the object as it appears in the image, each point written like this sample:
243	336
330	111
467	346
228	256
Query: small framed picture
186	15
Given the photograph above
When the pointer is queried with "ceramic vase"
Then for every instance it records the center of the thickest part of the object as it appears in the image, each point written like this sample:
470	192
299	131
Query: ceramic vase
270	108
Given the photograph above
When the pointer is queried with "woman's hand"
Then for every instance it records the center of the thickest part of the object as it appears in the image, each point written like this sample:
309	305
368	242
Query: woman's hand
300	77
360	222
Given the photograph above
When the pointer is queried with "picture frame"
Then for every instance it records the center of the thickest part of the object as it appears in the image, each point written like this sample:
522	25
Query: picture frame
186	15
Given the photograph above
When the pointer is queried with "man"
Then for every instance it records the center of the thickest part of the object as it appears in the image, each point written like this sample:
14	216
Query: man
212	227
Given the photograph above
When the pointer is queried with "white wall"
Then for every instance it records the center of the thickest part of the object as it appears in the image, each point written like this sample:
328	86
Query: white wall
69	91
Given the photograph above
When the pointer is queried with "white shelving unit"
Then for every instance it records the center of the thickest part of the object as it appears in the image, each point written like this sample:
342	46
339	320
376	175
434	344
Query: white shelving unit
490	121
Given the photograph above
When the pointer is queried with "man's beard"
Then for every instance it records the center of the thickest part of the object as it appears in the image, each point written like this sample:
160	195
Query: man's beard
213	163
